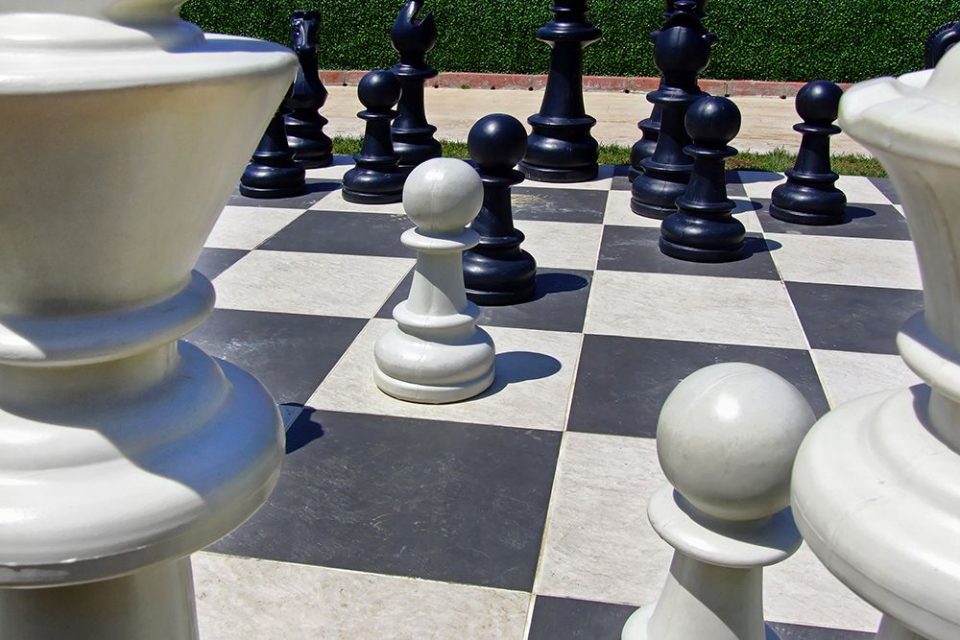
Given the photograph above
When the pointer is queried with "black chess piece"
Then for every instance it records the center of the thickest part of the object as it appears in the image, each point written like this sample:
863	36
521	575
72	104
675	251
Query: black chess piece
650	127
413	139
703	229
809	195
311	147
272	172
497	271
375	179
939	42
561	149
681	52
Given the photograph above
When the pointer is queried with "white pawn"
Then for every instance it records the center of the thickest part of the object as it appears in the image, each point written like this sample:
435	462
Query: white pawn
436	353
726	439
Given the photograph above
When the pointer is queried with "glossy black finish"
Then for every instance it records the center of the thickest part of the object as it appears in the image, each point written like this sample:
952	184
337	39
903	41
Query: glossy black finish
413	139
809	195
650	127
561	149
375	179
311	147
702	228
939	42
497	271
272	172
681	52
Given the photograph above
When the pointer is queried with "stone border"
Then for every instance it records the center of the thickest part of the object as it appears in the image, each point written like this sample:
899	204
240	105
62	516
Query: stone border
620	84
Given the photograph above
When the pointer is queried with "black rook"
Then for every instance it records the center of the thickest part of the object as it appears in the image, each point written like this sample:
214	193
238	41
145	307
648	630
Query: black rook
497	271
561	149
809	195
311	147
413	139
375	178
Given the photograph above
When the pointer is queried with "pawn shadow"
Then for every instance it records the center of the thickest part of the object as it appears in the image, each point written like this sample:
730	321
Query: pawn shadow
303	430
753	177
550	283
753	245
857	213
513	367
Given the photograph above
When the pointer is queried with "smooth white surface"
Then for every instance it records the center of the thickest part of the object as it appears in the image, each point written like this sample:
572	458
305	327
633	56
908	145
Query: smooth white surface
436	354
120	448
726	439
875	483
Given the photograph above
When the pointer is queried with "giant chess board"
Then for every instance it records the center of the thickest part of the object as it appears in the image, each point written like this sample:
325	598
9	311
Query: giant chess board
522	513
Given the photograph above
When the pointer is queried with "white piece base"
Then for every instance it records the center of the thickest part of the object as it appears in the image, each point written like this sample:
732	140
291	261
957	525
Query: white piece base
637	626
156	603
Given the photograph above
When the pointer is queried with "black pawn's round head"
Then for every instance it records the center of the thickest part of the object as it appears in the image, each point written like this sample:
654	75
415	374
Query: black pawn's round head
379	90
713	121
818	102
497	142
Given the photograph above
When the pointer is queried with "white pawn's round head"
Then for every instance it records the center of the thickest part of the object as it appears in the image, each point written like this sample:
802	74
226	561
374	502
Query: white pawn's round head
727	438
442	195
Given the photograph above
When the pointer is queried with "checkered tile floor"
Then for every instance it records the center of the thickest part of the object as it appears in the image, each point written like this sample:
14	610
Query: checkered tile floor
522	513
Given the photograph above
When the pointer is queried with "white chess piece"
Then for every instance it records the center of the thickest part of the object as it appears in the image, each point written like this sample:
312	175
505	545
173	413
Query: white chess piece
726	439
436	353
876	487
122	449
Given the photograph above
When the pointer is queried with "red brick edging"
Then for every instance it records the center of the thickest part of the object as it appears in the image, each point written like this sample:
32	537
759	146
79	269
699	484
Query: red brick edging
463	80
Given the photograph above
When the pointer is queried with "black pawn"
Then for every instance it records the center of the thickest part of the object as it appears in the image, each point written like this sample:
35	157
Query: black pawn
413	137
272	172
650	127
561	149
681	52
311	147
703	229
809	195
497	271
375	178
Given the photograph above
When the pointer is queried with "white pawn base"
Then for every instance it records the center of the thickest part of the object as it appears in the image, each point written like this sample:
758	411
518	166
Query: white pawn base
156	603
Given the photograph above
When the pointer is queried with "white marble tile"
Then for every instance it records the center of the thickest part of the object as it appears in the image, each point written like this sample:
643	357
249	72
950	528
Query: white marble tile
618	213
693	308
860	190
246	598
341	164
535	371
310	283
599	543
846	261
600	546
760	184
248	227
334	201
602	182
847	375
562	245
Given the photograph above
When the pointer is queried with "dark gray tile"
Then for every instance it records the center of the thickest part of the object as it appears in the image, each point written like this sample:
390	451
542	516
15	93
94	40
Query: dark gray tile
213	262
876	221
559	303
638	249
437	500
371	234
316	189
559	205
862	319
735	186
622	383
885	185
290	354
568	619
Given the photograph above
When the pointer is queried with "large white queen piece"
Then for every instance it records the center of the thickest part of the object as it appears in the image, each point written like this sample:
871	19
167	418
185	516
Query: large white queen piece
122	450
876	486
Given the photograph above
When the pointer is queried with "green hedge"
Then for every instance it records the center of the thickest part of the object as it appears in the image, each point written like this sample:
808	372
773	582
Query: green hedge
840	40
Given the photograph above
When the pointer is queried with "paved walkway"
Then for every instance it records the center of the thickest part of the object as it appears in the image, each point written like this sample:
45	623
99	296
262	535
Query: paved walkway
767	121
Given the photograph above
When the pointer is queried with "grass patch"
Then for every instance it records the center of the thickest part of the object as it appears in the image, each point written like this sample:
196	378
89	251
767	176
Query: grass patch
778	160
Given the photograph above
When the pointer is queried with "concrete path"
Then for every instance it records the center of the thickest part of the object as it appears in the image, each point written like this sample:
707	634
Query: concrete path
767	121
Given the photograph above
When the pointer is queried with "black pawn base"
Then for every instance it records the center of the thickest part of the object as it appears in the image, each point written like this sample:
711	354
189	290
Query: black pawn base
561	154
549	174
496	276
702	240
311	149
659	188
272	173
804	204
367	186
275	186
